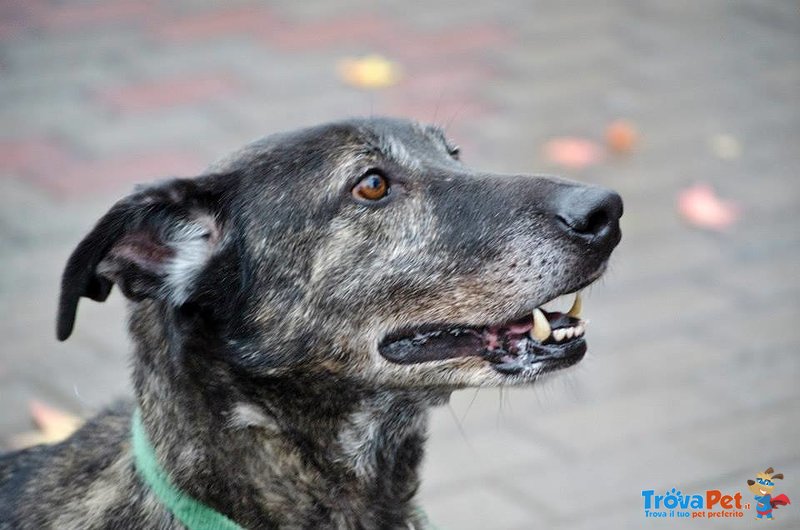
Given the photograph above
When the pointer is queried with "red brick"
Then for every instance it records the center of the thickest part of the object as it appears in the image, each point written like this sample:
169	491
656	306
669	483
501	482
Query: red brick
65	16
118	174
168	92
457	80
30	156
237	22
365	29
16	17
52	167
433	47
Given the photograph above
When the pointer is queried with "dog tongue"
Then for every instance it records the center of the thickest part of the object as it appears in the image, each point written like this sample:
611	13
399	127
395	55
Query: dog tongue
492	334
491	338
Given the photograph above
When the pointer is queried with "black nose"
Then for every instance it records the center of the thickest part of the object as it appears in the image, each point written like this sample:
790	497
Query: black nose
590	213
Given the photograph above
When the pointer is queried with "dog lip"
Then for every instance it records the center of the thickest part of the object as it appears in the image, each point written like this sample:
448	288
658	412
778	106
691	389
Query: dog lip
436	345
512	343
440	342
550	357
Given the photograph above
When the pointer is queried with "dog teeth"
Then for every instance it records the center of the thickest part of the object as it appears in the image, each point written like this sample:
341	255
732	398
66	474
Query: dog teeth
562	334
575	310
541	327
541	330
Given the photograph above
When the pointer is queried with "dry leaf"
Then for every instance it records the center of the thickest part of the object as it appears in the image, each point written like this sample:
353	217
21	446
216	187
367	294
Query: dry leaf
574	153
700	205
372	71
621	137
54	426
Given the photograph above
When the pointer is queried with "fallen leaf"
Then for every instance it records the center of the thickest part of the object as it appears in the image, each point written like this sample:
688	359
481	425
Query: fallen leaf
574	153
372	71
621	137
54	426
700	206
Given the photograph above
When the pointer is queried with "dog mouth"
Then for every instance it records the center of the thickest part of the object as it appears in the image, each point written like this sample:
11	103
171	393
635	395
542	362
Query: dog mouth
551	339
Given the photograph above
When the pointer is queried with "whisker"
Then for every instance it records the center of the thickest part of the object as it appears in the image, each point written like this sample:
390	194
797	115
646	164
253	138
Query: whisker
458	424
474	396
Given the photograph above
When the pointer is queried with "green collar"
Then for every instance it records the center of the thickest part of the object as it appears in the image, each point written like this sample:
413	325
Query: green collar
191	512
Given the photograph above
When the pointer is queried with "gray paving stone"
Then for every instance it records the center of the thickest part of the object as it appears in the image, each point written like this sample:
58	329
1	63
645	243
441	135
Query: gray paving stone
474	452
605	484
480	506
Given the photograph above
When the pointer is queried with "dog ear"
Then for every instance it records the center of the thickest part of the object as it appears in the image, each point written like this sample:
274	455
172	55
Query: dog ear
751	482
768	471
152	244
777	475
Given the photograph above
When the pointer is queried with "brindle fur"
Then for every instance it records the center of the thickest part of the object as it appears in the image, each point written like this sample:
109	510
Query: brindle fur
258	294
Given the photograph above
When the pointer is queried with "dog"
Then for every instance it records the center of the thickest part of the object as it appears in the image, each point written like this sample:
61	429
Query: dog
762	488
296	311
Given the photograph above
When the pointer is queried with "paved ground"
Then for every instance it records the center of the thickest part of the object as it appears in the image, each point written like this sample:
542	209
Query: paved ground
692	377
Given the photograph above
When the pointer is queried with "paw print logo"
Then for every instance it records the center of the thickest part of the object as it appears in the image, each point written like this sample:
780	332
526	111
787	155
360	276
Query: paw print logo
672	499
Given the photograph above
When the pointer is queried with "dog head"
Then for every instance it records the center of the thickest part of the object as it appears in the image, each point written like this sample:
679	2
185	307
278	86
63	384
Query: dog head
764	482
360	250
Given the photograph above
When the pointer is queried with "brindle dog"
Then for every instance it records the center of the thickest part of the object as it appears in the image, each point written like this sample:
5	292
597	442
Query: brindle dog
296	311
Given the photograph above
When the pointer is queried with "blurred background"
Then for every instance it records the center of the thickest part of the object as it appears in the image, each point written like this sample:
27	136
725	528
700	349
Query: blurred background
691	110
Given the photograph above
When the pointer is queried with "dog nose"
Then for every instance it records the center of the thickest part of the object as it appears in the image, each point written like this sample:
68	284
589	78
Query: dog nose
590	213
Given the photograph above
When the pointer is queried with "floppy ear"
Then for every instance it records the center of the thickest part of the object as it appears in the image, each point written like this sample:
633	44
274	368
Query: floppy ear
777	475
152	244
768	471
751	482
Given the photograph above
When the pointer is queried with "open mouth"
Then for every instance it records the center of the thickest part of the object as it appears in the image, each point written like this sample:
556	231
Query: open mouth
552	338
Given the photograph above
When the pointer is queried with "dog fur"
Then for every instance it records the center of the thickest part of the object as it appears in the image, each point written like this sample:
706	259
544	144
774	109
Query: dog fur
259	292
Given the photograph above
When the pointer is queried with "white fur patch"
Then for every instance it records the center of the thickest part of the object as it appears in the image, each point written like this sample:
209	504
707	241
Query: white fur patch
378	427
246	415
399	153
194	244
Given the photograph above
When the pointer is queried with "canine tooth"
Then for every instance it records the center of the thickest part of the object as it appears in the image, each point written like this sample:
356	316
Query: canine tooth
559	334
579	329
575	310
570	332
541	327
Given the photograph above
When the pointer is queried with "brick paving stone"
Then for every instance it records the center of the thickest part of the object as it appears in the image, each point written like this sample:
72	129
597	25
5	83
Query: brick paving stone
169	93
691	375
213	24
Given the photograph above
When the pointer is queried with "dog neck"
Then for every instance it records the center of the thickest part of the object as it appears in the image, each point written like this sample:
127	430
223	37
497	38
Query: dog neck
284	451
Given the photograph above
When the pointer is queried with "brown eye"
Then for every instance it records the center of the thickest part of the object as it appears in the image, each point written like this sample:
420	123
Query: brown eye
373	187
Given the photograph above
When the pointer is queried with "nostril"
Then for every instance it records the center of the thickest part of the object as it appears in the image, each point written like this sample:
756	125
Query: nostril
589	212
597	221
589	225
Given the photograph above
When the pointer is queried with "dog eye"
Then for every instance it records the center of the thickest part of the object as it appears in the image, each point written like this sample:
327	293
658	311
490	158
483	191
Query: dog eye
372	187
454	151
